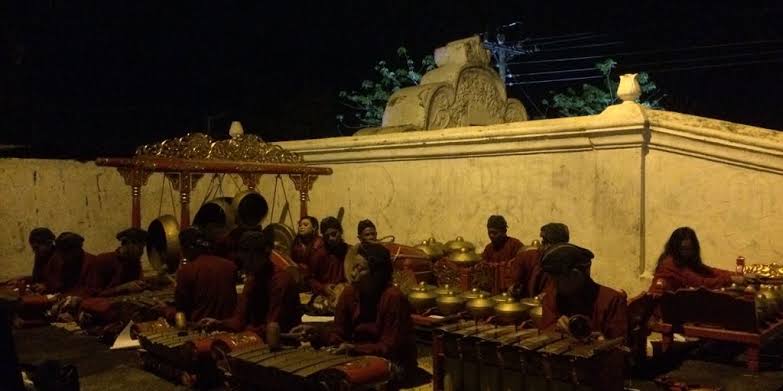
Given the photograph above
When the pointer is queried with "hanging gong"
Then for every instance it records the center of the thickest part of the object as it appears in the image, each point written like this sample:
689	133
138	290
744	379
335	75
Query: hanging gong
163	250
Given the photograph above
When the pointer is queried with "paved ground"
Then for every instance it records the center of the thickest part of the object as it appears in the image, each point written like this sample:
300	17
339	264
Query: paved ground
103	369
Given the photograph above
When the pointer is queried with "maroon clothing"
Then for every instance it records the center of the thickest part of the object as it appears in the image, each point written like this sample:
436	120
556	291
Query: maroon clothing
527	273
327	268
307	254
669	277
504	253
606	308
65	277
270	297
106	271
390	335
39	269
206	288
98	273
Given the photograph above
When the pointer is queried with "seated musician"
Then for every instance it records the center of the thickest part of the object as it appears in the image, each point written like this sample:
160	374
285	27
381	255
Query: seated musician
326	270
64	269
366	232
269	295
501	247
119	271
206	284
308	247
41	241
680	266
529	279
573	292
373	317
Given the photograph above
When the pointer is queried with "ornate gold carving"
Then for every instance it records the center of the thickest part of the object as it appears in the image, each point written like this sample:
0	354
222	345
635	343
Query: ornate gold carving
199	146
303	183
183	186
133	176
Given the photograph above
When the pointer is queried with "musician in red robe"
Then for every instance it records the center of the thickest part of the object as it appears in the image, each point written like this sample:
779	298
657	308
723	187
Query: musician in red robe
308	247
574	295
501	247
269	295
206	284
529	279
327	269
64	269
680	266
41	241
373	317
118	271
366	231
573	292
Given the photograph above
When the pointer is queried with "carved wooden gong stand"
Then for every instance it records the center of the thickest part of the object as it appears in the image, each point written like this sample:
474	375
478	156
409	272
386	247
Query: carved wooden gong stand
185	160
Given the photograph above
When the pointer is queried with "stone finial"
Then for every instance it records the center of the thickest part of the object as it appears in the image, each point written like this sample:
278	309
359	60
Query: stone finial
236	129
629	89
464	51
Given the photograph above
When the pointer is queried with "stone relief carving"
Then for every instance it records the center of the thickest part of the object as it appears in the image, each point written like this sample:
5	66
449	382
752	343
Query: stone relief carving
464	90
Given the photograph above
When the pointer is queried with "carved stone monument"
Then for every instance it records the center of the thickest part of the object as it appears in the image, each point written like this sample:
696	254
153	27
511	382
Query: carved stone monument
463	90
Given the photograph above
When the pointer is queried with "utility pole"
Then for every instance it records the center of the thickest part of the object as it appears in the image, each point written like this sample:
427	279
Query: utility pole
503	53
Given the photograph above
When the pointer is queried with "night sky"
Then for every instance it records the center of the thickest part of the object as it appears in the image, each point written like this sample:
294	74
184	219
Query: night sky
80	79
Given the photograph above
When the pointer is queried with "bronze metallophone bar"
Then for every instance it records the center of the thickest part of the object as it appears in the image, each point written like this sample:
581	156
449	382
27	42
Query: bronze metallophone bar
470	356
169	355
305	369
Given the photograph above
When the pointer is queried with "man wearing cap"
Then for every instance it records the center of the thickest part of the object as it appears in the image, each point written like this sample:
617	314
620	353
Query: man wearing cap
573	292
366	232
574	295
528	278
373	317
63	271
206	284
118	271
501	247
269	296
41	241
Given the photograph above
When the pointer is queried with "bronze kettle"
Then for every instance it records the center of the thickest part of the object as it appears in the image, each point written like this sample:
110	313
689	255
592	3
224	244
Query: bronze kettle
481	307
422	298
450	303
464	257
536	309
457	244
447	289
432	248
510	311
474	294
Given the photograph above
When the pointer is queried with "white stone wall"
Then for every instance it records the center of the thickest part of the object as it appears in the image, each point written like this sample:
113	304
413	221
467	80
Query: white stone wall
621	180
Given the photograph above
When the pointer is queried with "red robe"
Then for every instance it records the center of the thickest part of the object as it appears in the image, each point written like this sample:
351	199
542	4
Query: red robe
606	308
65	278
670	277
263	302
307	254
505	253
527	273
106	271
327	268
206	288
390	335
